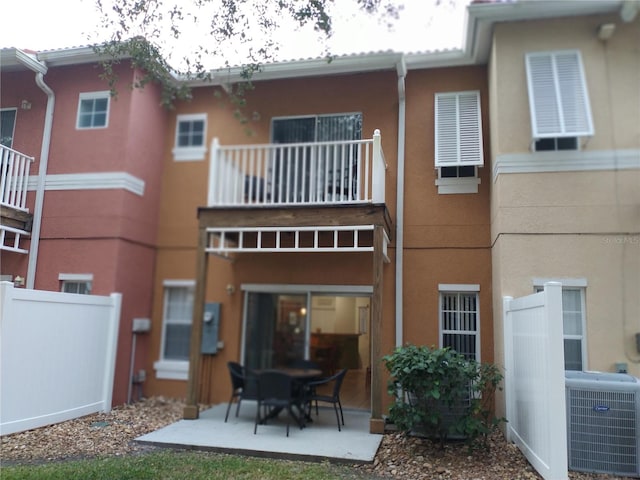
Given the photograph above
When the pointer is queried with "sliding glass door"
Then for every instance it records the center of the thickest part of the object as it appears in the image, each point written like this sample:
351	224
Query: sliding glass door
275	330
315	173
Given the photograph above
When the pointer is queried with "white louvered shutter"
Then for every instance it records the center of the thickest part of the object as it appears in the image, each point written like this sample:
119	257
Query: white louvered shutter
558	98
458	135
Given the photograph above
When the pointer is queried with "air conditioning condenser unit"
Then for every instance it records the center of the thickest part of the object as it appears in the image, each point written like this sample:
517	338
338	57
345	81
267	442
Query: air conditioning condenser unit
603	422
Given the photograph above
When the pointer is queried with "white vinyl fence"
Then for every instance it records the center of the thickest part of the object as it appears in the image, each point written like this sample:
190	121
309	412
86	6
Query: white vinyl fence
57	356
534	379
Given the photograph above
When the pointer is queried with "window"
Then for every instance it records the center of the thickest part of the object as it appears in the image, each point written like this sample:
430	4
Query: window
573	324
556	144
93	110
457	172
558	97
458	139
176	330
7	126
460	319
190	137
76	283
458	126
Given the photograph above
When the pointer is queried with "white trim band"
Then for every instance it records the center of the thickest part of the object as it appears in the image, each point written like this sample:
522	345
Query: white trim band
566	161
90	181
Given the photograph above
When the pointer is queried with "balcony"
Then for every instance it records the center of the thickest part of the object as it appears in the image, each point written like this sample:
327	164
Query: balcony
297	174
15	218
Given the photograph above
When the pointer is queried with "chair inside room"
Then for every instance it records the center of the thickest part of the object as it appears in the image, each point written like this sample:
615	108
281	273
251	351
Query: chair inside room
244	387
333	397
276	393
304	364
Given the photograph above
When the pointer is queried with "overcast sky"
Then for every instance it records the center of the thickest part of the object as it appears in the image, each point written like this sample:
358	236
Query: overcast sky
51	24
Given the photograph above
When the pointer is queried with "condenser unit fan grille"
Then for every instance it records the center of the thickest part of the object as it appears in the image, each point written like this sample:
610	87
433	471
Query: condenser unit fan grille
603	431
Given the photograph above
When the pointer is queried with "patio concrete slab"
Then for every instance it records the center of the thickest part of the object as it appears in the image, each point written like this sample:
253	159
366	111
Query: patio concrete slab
319	441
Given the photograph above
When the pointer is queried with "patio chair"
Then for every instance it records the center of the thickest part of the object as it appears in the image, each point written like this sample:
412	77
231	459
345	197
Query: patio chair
333	398
243	386
276	393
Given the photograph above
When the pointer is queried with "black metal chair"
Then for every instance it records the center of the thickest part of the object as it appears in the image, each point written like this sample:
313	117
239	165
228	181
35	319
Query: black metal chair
333	398
276	393
244	387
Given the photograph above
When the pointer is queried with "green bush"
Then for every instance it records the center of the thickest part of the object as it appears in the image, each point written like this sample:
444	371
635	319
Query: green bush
440	393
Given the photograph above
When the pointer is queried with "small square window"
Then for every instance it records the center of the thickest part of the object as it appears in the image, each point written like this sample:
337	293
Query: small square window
191	132
93	110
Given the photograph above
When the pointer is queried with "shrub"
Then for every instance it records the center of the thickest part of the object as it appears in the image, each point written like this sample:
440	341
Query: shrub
440	393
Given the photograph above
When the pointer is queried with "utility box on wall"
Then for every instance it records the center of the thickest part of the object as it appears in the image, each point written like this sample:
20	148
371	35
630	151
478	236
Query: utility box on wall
210	326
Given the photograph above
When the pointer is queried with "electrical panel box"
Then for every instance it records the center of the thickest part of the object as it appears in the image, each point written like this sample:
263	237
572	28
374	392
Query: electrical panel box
141	325
210	326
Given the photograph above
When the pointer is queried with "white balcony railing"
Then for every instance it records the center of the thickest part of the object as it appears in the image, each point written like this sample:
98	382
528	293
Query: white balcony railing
14	170
339	172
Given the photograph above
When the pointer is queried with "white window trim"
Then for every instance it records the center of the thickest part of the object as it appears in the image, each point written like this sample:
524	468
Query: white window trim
556	92
453	185
479	161
171	369
566	282
91	96
574	284
460	288
75	277
185	154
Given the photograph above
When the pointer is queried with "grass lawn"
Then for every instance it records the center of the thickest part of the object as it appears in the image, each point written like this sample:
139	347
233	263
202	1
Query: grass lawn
169	465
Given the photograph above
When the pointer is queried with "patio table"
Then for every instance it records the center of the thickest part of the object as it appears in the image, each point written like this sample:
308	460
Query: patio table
300	377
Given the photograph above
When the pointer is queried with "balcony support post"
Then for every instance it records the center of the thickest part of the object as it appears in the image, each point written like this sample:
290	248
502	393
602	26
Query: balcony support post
378	169
191	411
377	423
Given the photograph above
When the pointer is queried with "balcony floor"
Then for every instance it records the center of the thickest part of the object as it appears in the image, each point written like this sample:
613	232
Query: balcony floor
319	441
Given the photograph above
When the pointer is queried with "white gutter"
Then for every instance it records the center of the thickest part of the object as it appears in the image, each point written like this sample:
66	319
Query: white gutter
42	173
401	68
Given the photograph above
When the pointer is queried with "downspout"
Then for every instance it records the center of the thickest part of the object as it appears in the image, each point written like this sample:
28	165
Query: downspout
401	68
42	173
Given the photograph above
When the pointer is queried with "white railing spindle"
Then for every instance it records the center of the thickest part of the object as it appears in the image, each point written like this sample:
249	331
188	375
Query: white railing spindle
14	177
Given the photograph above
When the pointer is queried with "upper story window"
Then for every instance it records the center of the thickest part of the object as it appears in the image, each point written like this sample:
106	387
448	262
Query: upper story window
76	283
556	144
558	99
458	141
7	126
93	110
191	132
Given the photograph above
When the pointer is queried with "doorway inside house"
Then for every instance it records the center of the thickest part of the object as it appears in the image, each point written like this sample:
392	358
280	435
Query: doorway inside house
332	330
